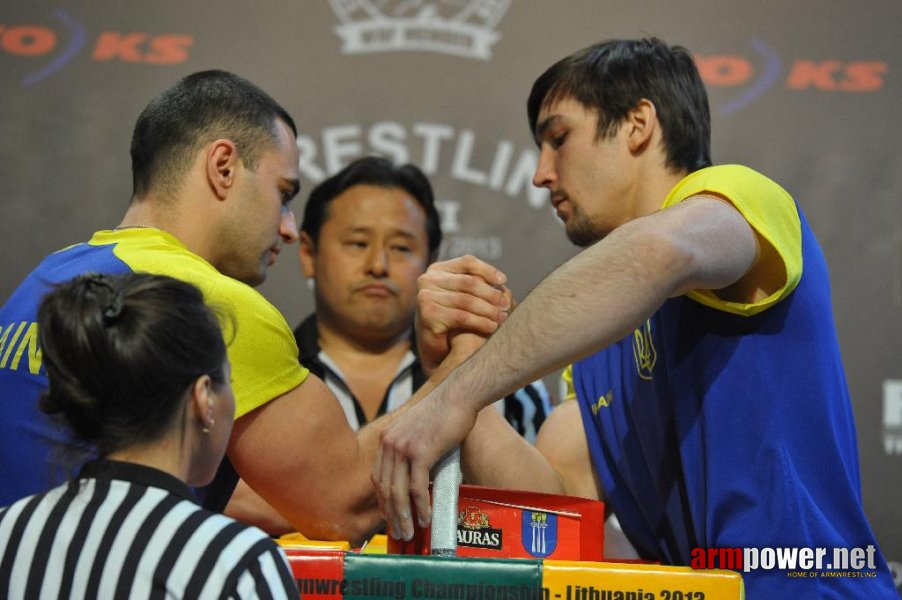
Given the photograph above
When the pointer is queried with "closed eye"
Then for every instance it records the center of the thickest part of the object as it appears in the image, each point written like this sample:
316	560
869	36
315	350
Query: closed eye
558	140
289	188
288	195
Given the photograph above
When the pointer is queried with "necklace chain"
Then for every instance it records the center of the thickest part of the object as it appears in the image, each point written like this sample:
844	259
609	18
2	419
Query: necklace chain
134	227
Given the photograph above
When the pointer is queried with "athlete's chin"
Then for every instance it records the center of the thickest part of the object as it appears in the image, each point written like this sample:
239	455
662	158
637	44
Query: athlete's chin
255	277
581	237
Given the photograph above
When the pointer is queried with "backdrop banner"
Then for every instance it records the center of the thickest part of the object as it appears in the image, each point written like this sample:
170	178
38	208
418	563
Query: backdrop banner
807	93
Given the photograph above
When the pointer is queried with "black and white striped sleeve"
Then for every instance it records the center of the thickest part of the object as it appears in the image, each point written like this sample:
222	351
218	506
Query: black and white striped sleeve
267	575
527	408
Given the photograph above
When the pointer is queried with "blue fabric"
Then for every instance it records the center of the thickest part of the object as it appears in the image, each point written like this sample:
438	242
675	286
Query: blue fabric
711	430
30	442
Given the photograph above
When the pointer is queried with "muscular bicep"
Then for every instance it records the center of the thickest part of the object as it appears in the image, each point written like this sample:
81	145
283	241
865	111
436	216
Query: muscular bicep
719	245
766	276
732	258
298	452
562	441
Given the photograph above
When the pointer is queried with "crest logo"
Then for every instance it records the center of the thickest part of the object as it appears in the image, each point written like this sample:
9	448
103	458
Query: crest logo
474	530
538	533
460	28
472	518
644	351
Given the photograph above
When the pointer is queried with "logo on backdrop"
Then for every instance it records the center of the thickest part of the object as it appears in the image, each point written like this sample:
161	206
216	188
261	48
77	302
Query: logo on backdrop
67	38
892	417
437	148
756	73
460	28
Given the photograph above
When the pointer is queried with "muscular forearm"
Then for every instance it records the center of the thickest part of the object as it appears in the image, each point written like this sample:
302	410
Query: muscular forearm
605	292
368	437
495	455
588	303
247	506
301	457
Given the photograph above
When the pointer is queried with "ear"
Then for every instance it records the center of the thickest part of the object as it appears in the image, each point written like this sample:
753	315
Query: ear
202	400
307	254
221	164
641	124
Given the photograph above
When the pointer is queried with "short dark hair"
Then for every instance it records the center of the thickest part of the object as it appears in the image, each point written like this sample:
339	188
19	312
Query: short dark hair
197	110
121	352
613	76
373	170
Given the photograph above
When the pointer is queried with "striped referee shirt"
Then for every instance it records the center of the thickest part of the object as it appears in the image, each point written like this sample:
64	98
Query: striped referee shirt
123	530
525	409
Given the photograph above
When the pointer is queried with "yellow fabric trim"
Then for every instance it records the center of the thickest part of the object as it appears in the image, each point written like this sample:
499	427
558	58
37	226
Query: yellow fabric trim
567	378
261	350
767	207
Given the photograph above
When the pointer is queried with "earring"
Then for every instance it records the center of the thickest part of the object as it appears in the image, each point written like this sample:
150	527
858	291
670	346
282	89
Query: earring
207	427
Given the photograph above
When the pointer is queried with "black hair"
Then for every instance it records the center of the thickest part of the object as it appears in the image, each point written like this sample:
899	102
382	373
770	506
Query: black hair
612	77
121	352
197	110
377	171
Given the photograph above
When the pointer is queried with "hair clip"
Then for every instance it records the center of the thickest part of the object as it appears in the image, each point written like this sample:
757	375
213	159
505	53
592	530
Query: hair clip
115	300
114	308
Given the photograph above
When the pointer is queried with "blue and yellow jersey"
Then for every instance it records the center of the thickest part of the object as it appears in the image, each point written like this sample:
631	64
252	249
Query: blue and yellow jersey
771	212
261	347
723	425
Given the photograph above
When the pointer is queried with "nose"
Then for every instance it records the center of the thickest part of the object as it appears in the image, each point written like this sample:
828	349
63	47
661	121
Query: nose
545	175
288	226
377	261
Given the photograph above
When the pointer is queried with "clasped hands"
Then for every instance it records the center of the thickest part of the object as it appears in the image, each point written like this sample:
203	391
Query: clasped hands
460	303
